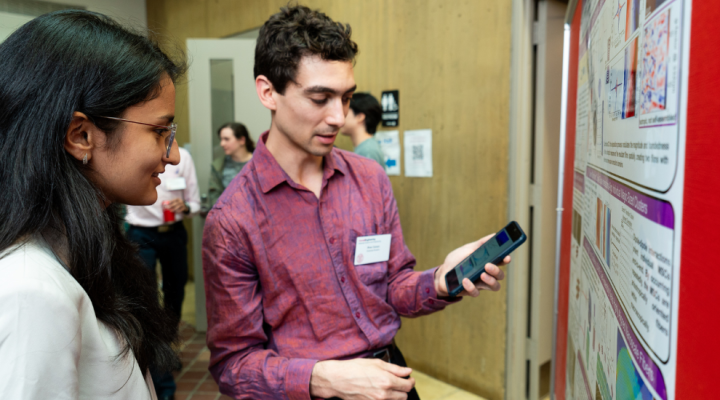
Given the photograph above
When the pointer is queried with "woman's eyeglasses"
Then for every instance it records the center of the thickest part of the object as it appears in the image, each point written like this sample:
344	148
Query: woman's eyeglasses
168	140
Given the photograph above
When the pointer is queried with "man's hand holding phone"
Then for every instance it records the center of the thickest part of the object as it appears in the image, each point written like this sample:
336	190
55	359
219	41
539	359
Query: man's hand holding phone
489	280
474	267
360	379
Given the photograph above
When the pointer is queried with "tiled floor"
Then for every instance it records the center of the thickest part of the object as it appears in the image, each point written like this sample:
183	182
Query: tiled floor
194	381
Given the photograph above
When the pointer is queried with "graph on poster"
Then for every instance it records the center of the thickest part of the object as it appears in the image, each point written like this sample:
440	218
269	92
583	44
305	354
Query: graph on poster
655	62
627	200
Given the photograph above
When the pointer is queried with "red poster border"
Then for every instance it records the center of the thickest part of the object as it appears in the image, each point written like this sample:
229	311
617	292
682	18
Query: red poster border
567	201
698	349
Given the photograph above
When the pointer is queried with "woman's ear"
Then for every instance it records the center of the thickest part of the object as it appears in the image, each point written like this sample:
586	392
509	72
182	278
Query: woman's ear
79	138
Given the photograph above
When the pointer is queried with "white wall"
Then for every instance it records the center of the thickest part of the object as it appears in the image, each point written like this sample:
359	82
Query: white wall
10	22
130	13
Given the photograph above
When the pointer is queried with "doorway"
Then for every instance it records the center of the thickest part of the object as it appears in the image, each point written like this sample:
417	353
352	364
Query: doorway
538	27
221	89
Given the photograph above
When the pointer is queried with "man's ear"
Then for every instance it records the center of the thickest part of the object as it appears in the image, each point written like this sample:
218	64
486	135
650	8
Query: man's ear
360	118
266	92
79	138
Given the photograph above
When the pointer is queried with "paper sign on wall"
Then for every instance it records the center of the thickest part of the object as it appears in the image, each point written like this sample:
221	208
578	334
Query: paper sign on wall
418	153
390	145
390	102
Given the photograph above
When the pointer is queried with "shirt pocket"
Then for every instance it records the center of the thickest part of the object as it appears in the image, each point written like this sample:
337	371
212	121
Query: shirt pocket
374	275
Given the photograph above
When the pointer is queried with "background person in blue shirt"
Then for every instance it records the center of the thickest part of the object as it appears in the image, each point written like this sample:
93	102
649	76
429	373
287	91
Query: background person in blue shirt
361	124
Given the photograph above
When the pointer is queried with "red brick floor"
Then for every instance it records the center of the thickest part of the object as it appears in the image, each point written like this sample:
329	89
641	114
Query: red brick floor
194	381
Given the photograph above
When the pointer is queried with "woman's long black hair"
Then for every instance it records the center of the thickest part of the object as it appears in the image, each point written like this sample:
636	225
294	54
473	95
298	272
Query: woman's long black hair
52	66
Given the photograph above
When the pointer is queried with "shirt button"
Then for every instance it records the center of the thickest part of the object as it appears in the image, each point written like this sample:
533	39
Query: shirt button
427	290
342	279
357	314
431	301
332	240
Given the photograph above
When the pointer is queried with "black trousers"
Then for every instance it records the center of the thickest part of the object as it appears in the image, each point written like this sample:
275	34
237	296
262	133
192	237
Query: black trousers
171	249
396	358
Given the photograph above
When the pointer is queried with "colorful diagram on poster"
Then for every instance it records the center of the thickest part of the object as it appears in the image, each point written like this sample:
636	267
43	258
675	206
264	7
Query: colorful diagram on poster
655	64
633	18
629	74
616	90
621	84
629	383
619	21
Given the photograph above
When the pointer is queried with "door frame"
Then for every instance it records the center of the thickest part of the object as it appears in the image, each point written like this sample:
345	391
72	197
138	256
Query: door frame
247	108
534	140
521	81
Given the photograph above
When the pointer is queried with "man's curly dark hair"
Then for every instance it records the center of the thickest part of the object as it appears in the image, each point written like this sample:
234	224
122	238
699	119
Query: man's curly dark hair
295	32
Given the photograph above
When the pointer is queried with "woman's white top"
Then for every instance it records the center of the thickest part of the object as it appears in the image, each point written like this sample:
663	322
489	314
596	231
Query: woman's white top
51	344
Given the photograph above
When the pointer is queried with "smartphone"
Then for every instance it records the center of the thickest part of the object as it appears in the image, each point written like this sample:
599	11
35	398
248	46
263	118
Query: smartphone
493	251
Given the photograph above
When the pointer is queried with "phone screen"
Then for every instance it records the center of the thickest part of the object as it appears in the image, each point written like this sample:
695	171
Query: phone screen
477	260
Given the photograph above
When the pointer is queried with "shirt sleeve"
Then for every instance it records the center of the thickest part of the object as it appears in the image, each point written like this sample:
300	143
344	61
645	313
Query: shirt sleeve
191	194
240	362
39	341
410	293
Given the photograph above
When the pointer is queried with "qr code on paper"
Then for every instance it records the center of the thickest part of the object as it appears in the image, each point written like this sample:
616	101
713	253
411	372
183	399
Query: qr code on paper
417	152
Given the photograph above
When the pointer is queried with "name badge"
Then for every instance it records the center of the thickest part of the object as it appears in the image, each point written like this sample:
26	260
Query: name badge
372	249
176	184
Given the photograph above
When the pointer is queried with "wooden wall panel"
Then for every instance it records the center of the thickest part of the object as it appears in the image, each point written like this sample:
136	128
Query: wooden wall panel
451	62
172	22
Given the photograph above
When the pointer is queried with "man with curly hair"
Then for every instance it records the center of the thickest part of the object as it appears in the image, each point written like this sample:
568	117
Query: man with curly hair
293	312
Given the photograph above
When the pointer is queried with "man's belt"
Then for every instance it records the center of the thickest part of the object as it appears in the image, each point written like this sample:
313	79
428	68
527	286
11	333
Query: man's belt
382	354
162	228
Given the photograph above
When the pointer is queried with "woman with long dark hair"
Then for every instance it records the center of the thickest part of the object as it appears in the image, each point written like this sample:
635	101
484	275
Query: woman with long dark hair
86	110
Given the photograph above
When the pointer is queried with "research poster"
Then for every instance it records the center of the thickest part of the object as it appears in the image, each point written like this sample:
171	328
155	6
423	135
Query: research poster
627	199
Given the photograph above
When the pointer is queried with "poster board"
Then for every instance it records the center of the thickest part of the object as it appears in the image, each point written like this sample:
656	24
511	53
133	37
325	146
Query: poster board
633	269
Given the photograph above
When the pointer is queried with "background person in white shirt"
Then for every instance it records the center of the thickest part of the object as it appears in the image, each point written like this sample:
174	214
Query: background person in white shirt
86	122
166	241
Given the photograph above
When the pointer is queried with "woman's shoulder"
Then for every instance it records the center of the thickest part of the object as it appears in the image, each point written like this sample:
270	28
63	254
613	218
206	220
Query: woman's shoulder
48	324
41	301
31	270
218	163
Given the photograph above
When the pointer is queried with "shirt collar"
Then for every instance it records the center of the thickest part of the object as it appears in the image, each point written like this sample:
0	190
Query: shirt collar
270	174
